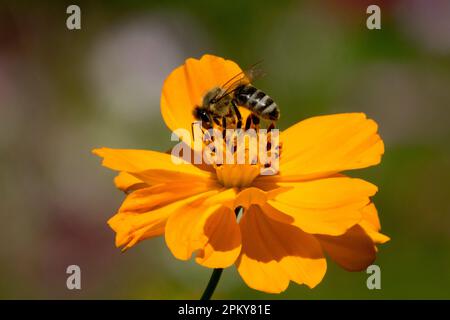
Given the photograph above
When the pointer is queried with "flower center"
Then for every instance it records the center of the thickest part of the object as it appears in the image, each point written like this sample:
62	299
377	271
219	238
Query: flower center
240	156
237	175
238	153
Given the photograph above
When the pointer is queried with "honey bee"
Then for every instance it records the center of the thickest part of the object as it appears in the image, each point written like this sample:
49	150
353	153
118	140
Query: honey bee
220	104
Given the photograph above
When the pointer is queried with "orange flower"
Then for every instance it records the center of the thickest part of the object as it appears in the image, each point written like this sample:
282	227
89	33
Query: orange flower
290	220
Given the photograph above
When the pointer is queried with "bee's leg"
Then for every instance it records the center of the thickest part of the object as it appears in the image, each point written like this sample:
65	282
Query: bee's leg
269	142
224	126
269	129
192	130
206	126
216	121
255	120
248	122
203	128
207	135
238	115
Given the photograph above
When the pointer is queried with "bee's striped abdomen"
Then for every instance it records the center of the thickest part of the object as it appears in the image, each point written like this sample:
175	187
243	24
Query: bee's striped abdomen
257	101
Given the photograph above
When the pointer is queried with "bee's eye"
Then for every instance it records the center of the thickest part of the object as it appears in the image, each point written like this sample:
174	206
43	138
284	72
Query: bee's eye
202	115
205	118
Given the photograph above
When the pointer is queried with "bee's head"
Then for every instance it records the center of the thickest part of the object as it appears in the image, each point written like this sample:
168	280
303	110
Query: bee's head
202	115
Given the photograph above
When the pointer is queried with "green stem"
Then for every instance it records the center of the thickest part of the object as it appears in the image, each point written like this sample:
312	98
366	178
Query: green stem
215	277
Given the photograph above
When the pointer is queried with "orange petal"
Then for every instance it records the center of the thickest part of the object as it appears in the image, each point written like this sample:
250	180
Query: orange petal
149	166
192	155
353	251
371	224
131	227
185	87
206	225
252	195
324	206
153	197
127	183
324	145
274	253
224	240
156	176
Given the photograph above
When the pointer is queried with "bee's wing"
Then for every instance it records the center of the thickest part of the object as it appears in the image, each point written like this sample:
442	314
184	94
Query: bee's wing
254	72
244	77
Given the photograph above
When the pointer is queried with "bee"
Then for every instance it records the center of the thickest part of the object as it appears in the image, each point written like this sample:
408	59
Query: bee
220	104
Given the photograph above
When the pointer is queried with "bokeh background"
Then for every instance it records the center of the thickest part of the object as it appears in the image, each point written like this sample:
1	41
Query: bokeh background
65	92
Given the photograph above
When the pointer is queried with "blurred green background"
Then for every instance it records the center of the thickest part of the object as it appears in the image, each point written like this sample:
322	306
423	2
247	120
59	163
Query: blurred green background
65	92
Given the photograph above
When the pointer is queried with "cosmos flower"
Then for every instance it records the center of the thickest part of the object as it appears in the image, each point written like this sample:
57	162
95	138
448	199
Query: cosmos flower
289	221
